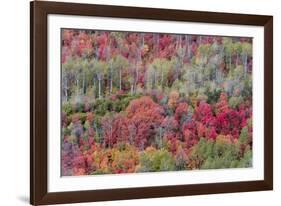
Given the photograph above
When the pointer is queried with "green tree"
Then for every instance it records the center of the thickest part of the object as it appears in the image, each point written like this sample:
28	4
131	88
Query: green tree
100	68
204	52
157	75
229	49
120	63
152	160
246	52
237	47
221	153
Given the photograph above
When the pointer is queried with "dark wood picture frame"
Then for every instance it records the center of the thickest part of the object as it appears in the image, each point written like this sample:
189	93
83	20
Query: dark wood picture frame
38	102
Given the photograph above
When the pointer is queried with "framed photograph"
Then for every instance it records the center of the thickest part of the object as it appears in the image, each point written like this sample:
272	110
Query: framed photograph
131	102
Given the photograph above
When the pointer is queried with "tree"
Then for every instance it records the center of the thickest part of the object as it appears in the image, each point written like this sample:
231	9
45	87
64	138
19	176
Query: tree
189	131
163	66
70	78
181	112
203	112
85	73
246	52
190	79
124	159
229	49
173	99
144	117
108	130
65	82
204	53
100	68
210	154
222	104
152	160
119	64
70	151
115	129
238	50
170	128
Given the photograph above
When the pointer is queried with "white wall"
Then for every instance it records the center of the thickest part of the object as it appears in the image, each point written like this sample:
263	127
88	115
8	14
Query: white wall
14	101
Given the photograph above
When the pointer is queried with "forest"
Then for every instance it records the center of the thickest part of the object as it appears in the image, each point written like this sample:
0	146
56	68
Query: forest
151	102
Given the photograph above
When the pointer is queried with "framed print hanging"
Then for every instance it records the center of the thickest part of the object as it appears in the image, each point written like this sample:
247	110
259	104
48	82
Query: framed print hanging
131	102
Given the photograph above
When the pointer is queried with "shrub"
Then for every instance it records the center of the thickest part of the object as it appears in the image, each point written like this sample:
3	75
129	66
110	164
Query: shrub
234	102
67	108
181	159
124	159
144	117
219	153
152	160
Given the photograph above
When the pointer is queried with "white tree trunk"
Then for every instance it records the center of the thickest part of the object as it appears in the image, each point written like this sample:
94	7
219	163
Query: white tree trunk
245	61
120	79
99	88
84	77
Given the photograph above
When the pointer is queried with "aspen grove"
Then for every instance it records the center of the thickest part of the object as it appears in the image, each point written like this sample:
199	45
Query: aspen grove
150	102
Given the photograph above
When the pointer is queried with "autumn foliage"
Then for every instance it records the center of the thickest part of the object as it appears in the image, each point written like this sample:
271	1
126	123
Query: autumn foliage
141	102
